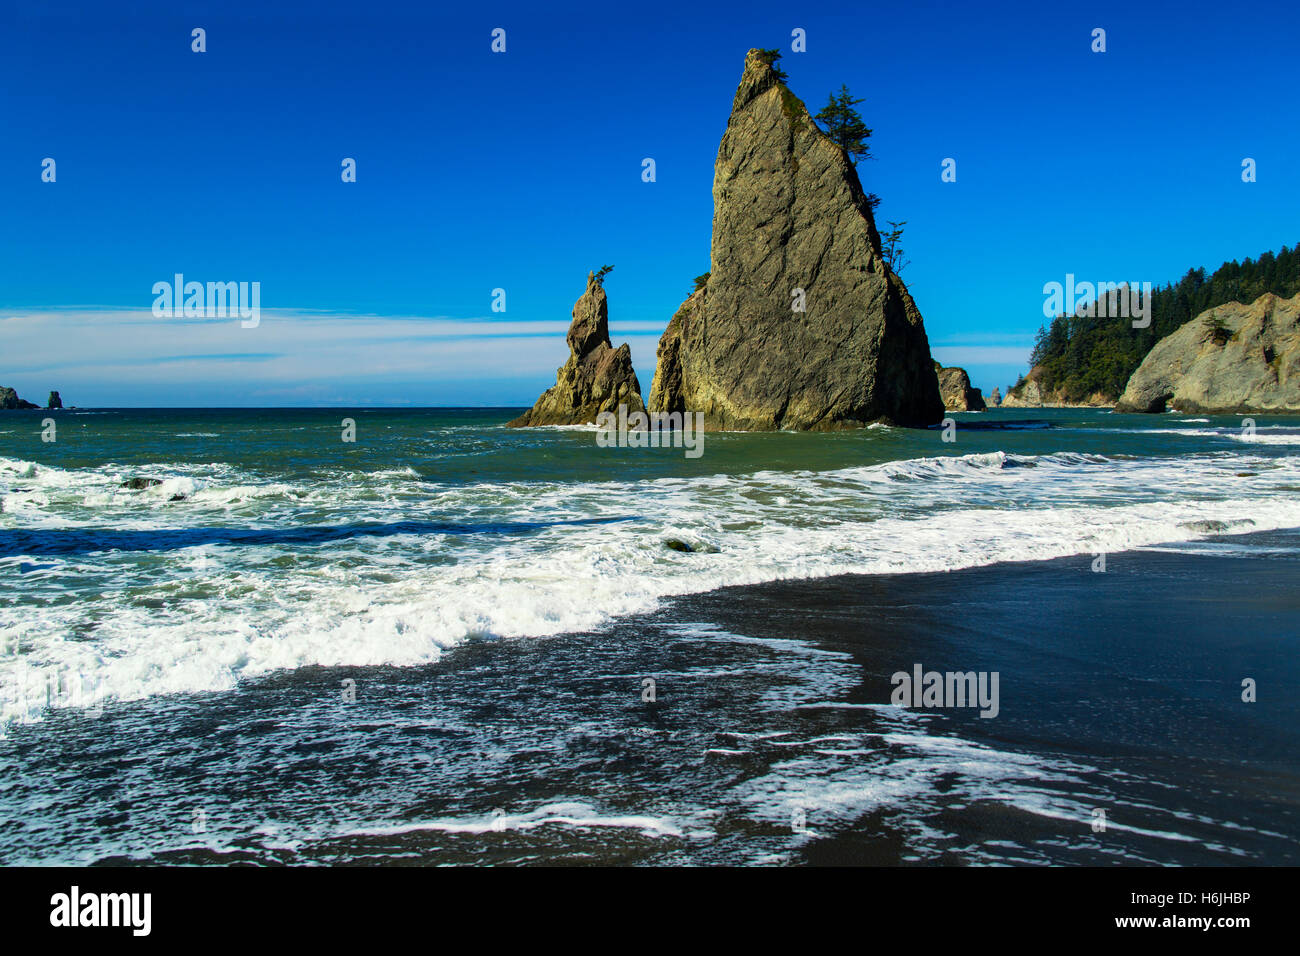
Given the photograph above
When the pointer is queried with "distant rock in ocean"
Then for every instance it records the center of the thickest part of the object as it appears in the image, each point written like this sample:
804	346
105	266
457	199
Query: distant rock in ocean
596	378
10	401
800	323
54	401
995	399
1233	358
957	392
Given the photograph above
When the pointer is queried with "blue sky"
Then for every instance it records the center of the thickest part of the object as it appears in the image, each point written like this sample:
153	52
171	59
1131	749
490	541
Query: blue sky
522	171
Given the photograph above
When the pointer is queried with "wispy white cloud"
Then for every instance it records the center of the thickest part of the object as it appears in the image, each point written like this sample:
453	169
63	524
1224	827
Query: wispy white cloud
317	357
965	355
288	353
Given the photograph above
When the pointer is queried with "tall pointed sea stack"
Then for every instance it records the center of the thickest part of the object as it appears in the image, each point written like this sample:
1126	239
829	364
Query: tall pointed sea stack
596	378
792	227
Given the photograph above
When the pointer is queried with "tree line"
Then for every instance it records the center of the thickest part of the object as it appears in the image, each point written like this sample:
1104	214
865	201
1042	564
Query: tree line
1080	355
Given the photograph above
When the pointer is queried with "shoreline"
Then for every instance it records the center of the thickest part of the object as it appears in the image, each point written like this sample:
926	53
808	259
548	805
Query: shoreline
771	700
1131	672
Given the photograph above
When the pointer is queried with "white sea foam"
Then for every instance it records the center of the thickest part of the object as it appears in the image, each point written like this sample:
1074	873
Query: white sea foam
573	814
527	559
1263	434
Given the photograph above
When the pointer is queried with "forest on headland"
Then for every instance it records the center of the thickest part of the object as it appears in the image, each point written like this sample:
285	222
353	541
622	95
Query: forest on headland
1077	356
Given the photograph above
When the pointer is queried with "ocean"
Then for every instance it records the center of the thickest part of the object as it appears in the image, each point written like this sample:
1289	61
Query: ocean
452	642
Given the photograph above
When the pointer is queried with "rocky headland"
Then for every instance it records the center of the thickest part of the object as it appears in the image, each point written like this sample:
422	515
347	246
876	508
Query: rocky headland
9	400
1029	393
1230	359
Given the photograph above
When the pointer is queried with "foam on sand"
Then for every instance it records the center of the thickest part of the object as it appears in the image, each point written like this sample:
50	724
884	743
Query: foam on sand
523	559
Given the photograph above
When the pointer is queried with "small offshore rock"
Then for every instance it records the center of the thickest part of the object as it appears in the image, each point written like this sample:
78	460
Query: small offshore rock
139	484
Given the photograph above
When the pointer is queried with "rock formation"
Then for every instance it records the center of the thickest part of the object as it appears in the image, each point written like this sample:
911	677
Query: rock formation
54	401
596	378
139	484
996	398
956	390
1025	393
800	324
1231	359
1029	393
9	400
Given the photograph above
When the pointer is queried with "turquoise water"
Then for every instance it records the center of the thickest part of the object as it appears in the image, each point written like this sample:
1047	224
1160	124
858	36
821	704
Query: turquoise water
268	542
469	445
266	549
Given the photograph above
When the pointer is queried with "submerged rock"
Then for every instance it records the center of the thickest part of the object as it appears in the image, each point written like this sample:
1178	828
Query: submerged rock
1209	526
1233	358
699	547
596	378
800	324
139	484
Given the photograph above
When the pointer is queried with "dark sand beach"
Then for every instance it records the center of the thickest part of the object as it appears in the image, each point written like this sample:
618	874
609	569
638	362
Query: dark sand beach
770	738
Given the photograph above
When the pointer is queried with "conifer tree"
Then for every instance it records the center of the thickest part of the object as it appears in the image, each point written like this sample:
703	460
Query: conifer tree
844	125
770	57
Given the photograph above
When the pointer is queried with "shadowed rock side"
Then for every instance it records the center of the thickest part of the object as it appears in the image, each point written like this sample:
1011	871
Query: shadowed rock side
790	214
596	378
1229	359
956	390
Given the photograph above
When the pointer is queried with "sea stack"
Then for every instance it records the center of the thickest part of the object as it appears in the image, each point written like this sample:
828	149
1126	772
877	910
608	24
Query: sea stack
1231	359
957	392
995	399
54	401
800	323
596	378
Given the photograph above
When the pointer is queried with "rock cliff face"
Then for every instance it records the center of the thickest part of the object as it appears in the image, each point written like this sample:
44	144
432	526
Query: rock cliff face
801	324
1025	394
1233	358
1030	394
596	378
9	400
956	390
